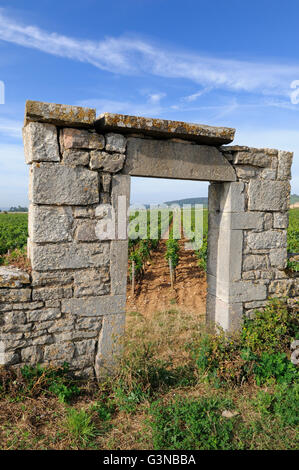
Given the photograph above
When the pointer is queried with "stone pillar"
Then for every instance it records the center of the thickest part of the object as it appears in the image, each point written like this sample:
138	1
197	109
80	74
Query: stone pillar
248	223
73	181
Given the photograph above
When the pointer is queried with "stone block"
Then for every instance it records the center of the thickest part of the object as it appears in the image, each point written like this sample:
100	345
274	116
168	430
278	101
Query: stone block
95	288
165	128
120	198
40	279
239	291
245	172
86	347
227	197
43	315
284	288
247	220
254	262
59	352
81	139
268	195
85	231
267	240
69	256
118	269
105	179
226	261
268	173
94	306
278	258
110	345
50	224
89	323
15	295
75	157
32	355
58	184
165	159
83	212
284	165
13	277
116	143
60	114
228	316
111	162
280	219
40	143
51	293
16	318
254	157
268	221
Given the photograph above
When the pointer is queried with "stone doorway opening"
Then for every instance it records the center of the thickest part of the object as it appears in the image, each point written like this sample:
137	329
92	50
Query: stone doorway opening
165	275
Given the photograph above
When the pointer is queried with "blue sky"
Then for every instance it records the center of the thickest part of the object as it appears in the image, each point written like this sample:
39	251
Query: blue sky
219	63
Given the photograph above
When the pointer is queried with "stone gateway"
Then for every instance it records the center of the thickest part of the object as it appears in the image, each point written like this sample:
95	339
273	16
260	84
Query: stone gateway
72	306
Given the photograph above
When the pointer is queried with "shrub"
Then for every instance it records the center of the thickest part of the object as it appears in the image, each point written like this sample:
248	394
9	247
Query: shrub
271	329
258	353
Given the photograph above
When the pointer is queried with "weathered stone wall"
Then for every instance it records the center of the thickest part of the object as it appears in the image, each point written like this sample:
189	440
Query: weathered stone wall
71	306
248	222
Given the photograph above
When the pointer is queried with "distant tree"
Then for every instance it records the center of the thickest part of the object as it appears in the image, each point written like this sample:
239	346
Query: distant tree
18	209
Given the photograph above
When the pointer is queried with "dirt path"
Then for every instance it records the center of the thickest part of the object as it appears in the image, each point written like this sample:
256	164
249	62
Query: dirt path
154	292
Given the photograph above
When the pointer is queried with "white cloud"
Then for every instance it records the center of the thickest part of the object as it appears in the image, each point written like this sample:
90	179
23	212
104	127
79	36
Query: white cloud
123	107
10	127
196	95
127	55
156	97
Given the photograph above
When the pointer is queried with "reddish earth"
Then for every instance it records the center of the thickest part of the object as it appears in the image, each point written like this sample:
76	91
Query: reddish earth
154	292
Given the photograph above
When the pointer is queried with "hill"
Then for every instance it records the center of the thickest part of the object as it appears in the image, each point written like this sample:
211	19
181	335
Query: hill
294	198
192	200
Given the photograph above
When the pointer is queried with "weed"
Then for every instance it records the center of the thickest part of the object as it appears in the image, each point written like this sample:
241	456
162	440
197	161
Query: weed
34	381
191	424
79	424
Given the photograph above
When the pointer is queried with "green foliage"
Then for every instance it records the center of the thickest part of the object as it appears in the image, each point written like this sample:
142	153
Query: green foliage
172	252
293	238
271	329
13	231
202	254
53	380
274	366
259	352
79	424
188	424
281	403
142	376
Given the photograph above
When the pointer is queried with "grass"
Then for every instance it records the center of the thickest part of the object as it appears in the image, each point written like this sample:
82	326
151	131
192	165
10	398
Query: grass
175	382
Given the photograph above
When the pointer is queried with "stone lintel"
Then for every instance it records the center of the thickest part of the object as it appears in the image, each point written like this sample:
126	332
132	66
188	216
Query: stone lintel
59	114
161	128
166	159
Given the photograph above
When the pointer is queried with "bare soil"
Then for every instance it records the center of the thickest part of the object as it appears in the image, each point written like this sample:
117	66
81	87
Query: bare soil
154	292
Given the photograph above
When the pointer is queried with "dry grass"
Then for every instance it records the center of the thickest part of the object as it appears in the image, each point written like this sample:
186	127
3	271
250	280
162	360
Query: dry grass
42	422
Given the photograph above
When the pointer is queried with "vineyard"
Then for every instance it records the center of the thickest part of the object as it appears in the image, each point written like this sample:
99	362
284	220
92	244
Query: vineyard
14	234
